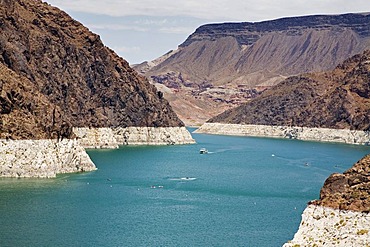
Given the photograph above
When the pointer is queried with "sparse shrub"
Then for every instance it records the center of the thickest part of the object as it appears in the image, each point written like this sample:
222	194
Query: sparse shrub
362	232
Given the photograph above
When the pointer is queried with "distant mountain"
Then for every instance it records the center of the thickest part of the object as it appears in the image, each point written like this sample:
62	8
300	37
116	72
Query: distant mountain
220	66
55	74
338	99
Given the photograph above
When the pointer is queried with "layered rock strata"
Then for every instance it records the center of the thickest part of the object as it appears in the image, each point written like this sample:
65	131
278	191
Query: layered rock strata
301	133
342	215
114	137
42	158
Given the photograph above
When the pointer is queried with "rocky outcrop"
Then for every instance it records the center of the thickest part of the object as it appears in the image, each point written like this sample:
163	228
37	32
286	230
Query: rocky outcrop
112	138
348	191
42	158
300	133
258	55
342	215
338	99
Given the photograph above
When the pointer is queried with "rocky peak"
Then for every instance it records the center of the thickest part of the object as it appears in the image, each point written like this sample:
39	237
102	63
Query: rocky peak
68	66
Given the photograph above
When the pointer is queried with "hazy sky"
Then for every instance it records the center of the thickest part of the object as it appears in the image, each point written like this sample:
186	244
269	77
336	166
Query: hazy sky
140	30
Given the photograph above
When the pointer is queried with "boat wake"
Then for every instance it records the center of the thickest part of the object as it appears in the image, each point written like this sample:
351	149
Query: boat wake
182	179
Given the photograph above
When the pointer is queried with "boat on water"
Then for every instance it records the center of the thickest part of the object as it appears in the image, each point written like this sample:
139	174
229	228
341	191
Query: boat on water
187	179
203	151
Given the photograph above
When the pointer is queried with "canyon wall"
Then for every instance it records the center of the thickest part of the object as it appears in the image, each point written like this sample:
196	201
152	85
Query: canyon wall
57	76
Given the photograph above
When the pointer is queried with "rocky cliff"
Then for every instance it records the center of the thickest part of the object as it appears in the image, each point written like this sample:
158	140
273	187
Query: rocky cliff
338	99
85	83
341	217
222	65
56	77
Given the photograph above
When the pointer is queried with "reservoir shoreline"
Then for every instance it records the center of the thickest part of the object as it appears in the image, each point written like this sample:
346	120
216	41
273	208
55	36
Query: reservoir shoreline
49	157
289	132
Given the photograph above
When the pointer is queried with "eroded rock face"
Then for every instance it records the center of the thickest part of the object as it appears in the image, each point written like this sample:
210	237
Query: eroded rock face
348	191
56	74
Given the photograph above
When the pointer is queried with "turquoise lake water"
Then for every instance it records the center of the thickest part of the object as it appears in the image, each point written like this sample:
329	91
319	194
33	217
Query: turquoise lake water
245	192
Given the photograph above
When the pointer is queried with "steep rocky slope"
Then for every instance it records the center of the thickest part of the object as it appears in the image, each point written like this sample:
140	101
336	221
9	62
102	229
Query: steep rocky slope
25	112
62	90
56	74
222	65
339	99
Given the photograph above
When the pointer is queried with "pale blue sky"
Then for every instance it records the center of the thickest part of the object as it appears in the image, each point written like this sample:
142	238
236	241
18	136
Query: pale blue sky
140	30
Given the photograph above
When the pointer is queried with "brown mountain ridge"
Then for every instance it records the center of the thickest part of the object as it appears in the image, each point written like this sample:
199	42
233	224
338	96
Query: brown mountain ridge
338	99
56	74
